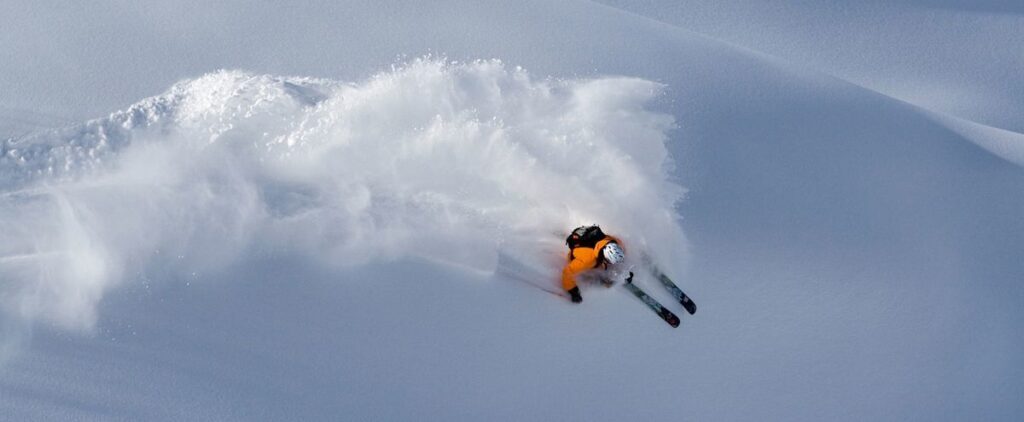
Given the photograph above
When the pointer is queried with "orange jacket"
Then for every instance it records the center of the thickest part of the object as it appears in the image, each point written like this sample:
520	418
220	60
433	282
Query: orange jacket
581	259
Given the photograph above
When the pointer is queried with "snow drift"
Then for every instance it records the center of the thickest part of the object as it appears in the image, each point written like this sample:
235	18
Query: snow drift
444	161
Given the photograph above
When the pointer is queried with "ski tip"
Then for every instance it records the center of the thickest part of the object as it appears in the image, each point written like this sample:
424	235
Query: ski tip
688	304
670	318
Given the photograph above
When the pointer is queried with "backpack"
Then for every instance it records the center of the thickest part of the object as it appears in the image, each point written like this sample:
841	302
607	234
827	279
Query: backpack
584	236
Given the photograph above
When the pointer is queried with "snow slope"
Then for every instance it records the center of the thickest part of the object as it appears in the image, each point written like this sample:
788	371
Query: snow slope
948	56
242	247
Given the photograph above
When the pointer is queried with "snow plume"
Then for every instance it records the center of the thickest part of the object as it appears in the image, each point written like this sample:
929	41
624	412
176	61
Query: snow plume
450	162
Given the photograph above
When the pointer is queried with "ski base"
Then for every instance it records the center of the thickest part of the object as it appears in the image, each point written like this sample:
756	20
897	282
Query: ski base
683	299
679	295
662	311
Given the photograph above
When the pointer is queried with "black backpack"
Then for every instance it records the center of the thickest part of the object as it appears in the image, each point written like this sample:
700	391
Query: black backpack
584	236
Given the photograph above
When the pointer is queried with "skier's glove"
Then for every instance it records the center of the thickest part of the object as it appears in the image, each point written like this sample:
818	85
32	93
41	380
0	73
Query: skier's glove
575	293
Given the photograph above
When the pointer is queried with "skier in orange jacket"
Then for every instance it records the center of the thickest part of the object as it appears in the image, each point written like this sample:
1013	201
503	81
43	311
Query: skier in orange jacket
589	248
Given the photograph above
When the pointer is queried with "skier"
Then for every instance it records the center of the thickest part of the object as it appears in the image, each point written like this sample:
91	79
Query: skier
589	248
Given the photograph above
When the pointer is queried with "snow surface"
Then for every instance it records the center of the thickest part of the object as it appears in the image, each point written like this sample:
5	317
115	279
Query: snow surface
373	240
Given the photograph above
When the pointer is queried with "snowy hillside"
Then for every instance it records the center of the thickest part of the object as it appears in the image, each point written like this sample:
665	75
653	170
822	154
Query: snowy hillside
372	240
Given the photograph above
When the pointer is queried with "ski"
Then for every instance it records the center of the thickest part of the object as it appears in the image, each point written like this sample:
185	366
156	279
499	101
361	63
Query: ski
675	290
663	312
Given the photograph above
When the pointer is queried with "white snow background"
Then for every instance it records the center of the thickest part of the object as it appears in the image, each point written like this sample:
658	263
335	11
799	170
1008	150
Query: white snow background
358	218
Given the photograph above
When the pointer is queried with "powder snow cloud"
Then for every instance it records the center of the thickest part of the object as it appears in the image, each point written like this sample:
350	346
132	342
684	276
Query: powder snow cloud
432	159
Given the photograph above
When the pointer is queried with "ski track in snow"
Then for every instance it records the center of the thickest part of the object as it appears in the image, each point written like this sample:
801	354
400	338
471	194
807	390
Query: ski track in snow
435	160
